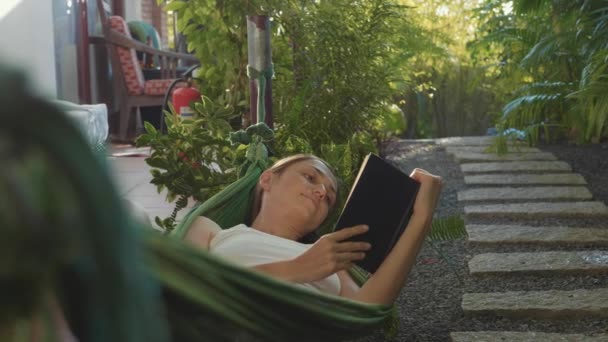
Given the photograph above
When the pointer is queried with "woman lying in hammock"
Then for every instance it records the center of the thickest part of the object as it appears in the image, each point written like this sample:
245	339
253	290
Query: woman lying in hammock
292	199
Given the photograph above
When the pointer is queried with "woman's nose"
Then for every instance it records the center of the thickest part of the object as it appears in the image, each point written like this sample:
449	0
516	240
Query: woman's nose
320	190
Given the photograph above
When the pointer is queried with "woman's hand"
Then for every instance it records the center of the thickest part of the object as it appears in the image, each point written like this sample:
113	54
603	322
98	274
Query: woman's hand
331	254
428	194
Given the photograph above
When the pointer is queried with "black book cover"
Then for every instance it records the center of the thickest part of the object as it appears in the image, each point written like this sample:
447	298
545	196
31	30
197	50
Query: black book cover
382	197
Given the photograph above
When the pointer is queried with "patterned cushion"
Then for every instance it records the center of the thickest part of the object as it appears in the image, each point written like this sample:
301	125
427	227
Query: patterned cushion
159	87
128	59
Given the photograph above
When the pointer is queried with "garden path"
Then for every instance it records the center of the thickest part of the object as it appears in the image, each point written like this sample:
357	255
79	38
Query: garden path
527	184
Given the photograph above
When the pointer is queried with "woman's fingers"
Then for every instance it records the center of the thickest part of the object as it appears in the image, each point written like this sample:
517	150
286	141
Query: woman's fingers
353	256
346	233
352	247
346	260
428	195
425	177
418	171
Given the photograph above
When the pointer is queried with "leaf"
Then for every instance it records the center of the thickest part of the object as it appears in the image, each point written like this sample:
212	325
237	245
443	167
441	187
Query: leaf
449	228
158	162
175	5
149	127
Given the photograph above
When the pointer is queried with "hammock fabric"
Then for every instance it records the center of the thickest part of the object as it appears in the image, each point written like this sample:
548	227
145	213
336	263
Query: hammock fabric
127	284
65	233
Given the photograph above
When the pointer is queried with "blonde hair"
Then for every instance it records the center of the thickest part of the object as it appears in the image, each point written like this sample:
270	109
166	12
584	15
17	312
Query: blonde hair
278	168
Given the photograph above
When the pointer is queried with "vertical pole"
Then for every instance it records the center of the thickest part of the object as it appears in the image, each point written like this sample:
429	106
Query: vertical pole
260	58
82	52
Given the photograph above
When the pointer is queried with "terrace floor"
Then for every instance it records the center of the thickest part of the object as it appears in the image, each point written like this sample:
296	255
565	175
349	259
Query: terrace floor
132	177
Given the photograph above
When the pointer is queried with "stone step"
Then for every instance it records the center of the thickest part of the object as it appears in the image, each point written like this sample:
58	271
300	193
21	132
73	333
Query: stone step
554	209
466	141
468	157
539	193
513	234
516	336
485	149
588	262
517	179
515	166
553	304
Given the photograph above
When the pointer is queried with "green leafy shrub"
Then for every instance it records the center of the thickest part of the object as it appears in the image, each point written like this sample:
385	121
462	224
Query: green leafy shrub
556	50
194	160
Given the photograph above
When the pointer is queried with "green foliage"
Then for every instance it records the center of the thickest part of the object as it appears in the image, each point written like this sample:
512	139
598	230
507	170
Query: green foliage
537	109
507	139
448	92
194	159
390	122
447	228
336	65
560	56
216	34
339	76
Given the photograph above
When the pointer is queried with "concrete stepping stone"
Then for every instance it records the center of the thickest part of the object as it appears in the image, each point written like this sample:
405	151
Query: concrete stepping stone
553	304
466	141
467	157
526	193
515	336
557	209
484	149
517	179
513	234
519	166
588	262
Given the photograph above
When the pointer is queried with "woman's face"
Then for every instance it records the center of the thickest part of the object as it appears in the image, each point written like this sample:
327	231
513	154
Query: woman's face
304	190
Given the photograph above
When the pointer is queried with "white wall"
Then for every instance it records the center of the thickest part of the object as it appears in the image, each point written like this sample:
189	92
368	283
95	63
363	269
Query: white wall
26	41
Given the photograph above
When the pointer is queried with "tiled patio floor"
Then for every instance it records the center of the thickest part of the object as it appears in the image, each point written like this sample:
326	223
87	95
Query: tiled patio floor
132	177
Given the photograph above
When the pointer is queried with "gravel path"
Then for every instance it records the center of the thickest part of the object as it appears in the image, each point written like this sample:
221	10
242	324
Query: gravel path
429	305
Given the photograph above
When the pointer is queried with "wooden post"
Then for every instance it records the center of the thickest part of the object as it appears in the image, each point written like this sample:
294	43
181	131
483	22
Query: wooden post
260	58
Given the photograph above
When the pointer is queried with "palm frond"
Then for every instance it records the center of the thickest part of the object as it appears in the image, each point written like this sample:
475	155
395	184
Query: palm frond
532	105
544	87
509	35
591	97
447	228
597	125
552	48
529	6
537	113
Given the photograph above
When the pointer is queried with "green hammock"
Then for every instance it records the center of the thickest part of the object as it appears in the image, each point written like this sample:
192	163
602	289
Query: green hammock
127	284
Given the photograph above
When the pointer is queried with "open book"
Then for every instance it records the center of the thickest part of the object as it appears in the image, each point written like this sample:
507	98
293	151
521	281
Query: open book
382	197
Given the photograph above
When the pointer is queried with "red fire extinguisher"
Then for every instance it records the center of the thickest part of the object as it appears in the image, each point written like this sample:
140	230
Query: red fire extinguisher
182	98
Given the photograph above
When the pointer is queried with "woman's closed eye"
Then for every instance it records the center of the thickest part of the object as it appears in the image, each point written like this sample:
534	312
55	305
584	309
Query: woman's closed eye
312	178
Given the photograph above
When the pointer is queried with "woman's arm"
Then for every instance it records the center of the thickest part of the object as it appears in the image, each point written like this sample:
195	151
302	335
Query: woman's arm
348	287
327	256
384	285
201	232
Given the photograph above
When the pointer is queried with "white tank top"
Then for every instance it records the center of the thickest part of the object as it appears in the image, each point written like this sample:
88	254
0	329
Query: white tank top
250	247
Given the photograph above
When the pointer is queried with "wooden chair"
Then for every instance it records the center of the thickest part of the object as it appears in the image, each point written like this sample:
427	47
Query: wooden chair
130	88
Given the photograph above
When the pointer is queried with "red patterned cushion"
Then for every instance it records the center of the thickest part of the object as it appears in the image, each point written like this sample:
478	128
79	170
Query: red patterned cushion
128	59
159	87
